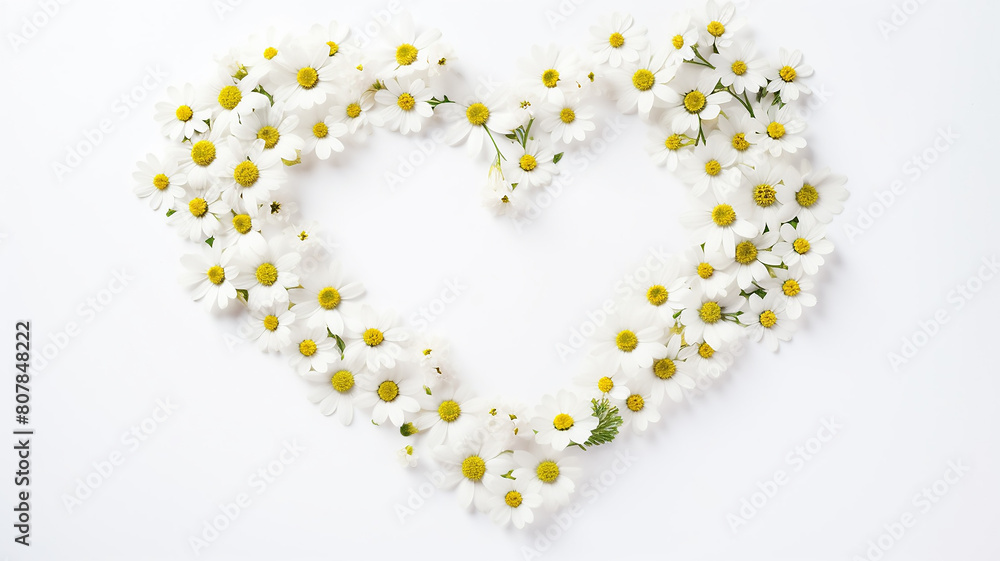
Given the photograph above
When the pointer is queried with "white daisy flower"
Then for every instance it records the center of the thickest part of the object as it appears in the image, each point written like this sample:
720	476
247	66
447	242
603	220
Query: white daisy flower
304	77
717	221
804	244
513	501
645	84
337	390
767	321
683	37
531	165
352	108
160	182
203	161
737	127
752	259
407	457
665	291
792	288
778	131
375	337
719	24
404	53
240	233
603	377
183	114
712	319
670	374
449	414
260	53
391	394
404	105
209	276
768	192
433	354
275	127
821	196
563	419
712	168
567	121
335	36
668	146
786	76
311	349
631	335
322	132
737	66
197	215
617	40
269	269
324	297
555	473
709	361
499	195
469	466
551	73
229	98
688	108
474	120
706	272
641	407
249	175
271	327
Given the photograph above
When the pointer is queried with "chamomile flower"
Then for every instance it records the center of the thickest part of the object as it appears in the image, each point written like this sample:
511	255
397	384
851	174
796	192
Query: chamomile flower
665	291
768	191
712	168
404	53
183	114
324	297
229	98
250	175
683	37
260	53
603	377
632	336
719	24
336	390
275	127
711	319
712	362
718	221
311	349
670	374
269	270
391	394
668	146
567	121
555	472
821	196
786	76
792	288
197	215
209	276
737	127
563	418
304	77
499	195
335	36
617	40
270	327
752	259
804	244
238	232
433	356
767	321
404	105
531	165
641	407
352	107
480	122
688	108
375	337
469	466
737	66
706	271
407	457
513	502
778	131
550	72
202	161
449	414
644	84
160	182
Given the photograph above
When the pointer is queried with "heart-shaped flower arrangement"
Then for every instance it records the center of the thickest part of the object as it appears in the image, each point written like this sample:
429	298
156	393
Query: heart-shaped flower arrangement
720	116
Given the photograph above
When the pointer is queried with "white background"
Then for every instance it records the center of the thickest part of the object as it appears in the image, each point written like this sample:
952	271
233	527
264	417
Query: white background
525	290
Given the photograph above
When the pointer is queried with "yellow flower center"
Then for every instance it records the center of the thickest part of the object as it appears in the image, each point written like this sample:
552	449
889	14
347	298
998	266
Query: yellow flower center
746	253
246	173
605	384
406	54
673	142
705	351
513	499
713	168
334	48
801	246
807	196
477	114
567	115
203	153
616	40
787	73
776	130
705	270
270	53
657	295
267	274
307	347
270	136
270	322
406	101
307	77
710	312
739	68
765	195
694	102
242	223
373	337
320	130
547	471
716	29
562	421
198	207
550	78
216	275
527	162
678	41
230	97
643	79
184	113
353	110
161	181
723	215
342	381
635	403
329	298
626	341
740	142
768	319
473	468
388	390
449	411
791	288
664	368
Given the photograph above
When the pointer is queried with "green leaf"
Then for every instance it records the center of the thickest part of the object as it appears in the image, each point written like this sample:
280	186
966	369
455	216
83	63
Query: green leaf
508	475
558	157
608	422
244	293
170	212
210	241
427	390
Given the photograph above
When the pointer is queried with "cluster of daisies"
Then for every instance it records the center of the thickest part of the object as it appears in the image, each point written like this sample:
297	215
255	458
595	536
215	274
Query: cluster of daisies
722	117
